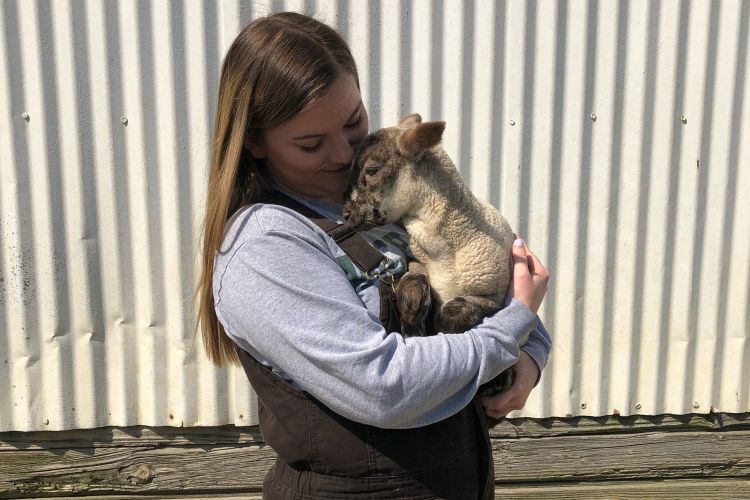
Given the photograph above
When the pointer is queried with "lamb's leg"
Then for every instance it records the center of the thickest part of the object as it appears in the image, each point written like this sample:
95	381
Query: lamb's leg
413	300
500	383
466	312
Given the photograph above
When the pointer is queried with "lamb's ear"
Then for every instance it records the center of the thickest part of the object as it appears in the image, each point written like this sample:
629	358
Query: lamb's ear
412	142
410	121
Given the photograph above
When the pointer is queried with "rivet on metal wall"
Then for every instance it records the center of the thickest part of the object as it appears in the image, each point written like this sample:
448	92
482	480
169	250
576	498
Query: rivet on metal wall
124	120
683	119
25	116
46	421
593	117
512	122
696	405
583	406
638	406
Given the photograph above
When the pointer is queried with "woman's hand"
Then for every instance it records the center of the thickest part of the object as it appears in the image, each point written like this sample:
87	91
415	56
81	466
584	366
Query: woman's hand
529	285
499	405
530	277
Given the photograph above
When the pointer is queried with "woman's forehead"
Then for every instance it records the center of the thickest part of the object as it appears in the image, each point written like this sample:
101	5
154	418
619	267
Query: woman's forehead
335	108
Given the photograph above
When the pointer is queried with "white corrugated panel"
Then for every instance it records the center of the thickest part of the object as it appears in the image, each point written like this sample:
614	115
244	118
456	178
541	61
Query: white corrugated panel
611	134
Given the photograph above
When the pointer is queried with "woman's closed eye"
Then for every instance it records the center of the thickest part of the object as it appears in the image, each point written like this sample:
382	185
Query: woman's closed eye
316	147
355	122
311	149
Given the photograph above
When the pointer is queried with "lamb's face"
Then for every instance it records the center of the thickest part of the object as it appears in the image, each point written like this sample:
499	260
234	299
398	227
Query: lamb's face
376	195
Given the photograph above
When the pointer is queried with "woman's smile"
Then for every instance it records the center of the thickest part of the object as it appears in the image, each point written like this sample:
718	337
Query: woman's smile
340	170
311	154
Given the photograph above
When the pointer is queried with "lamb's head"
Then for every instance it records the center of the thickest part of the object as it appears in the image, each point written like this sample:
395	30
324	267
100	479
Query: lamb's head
387	166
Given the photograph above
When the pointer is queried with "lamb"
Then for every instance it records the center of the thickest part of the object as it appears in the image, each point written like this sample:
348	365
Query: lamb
461	245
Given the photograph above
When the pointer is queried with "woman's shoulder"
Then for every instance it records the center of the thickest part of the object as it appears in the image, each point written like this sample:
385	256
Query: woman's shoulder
264	220
268	238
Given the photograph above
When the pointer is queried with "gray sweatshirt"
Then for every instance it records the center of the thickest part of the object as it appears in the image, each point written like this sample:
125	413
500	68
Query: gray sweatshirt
287	294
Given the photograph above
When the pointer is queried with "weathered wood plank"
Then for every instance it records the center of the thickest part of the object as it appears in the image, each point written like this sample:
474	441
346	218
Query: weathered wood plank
197	496
529	427
523	427
130	436
650	455
231	467
672	489
134	470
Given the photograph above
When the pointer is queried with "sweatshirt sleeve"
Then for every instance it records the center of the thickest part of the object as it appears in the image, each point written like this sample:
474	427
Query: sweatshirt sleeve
538	346
283	294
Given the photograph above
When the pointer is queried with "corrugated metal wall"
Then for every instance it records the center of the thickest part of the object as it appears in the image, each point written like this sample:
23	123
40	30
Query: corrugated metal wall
611	133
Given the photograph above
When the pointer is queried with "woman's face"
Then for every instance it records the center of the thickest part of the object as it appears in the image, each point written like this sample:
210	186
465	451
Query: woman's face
311	154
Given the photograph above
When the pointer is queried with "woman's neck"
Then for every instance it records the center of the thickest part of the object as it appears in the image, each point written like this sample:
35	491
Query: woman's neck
332	200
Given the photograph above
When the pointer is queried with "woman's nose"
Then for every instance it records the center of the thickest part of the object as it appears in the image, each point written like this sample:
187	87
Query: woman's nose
343	151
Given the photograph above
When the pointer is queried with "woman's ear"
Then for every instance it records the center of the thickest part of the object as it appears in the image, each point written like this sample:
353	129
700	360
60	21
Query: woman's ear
256	149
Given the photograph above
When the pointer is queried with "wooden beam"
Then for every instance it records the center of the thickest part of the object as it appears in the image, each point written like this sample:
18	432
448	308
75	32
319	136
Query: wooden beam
231	460
229	434
648	455
556	426
132	469
674	489
130	436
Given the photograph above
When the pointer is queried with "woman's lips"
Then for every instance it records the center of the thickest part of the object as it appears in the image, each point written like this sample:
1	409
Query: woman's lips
340	170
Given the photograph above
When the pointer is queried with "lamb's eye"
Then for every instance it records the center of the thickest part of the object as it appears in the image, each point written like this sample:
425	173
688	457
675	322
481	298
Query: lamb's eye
371	170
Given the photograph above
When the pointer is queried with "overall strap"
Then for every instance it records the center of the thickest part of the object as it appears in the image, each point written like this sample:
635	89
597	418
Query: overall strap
364	255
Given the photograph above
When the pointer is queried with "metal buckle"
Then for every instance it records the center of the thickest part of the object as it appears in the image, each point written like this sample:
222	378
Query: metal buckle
385	276
389	279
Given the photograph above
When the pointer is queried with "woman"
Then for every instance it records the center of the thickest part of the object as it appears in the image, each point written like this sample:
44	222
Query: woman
351	407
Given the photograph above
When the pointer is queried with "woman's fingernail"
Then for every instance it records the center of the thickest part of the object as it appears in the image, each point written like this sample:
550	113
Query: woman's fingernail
518	242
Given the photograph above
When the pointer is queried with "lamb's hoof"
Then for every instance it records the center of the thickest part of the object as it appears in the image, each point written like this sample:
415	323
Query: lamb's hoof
408	330
414	302
501	383
458	316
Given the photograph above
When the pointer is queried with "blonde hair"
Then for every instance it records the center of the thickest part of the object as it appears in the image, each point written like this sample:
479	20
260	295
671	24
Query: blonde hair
276	67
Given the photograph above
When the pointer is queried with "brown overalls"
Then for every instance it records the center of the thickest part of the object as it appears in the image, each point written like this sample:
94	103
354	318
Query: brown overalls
324	455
